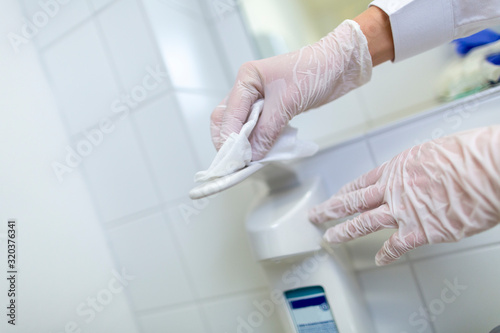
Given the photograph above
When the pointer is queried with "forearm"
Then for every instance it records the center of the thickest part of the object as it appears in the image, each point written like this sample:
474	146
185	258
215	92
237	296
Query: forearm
376	27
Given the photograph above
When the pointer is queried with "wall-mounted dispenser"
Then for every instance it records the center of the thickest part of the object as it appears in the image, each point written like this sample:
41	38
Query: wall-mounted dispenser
317	289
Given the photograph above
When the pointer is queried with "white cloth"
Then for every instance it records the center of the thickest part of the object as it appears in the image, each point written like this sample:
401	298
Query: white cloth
236	152
420	25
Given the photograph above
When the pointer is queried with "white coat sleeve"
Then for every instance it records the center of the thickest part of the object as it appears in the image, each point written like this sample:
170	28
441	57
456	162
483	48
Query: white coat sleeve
420	25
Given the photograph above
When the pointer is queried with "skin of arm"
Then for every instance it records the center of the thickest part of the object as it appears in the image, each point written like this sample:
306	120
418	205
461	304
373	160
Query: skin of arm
376	27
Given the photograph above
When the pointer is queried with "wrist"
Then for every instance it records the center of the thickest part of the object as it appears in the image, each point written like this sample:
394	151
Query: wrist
376	27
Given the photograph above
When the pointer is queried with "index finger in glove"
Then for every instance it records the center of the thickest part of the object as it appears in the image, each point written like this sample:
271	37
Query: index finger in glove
244	94
396	246
266	132
340	206
362	225
216	122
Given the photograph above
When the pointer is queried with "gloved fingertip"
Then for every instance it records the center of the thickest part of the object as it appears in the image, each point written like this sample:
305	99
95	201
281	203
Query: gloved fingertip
330	237
326	238
257	155
379	262
218	145
313	215
259	151
262	141
382	259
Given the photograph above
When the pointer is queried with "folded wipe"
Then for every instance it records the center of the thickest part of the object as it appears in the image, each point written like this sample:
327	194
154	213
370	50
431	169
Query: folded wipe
236	152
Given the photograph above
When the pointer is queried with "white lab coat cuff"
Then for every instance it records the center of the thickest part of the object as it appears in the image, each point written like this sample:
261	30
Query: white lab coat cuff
419	25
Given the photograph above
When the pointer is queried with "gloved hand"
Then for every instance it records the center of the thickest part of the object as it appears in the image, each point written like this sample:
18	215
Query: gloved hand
293	83
440	191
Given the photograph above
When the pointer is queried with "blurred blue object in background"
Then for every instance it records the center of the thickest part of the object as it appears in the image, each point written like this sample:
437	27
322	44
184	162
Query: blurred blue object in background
494	58
465	45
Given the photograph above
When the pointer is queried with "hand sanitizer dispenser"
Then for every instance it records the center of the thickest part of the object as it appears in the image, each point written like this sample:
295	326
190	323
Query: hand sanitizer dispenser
317	288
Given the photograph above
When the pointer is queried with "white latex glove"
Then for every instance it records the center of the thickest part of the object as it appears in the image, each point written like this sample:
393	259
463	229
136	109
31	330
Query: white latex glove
440	191
293	83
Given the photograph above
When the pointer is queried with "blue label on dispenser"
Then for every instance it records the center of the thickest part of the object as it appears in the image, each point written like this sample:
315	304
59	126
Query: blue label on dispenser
310	310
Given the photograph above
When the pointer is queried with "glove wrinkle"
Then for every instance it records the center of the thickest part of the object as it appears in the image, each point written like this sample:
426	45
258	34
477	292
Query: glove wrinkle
293	83
440	191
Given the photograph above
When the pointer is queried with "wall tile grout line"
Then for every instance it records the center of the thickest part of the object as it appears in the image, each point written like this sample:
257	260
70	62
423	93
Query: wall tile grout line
219	49
246	27
115	223
152	35
203	301
116	117
102	40
148	163
119	83
62	115
234	294
98	11
379	268
189	277
370	151
181	9
46	72
434	256
67	33
81	170
115	260
165	215
131	218
198	91
457	252
364	107
132	122
107	51
77	26
190	143
151	176
156	188
417	283
437	110
175	101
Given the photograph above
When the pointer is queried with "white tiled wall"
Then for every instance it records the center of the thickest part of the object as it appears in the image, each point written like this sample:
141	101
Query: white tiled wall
392	296
61	18
82	80
147	248
194	271
156	129
62	258
461	291
193	268
180	319
238	49
116	159
196	109
191	54
212	240
334	122
252	313
403	88
120	24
